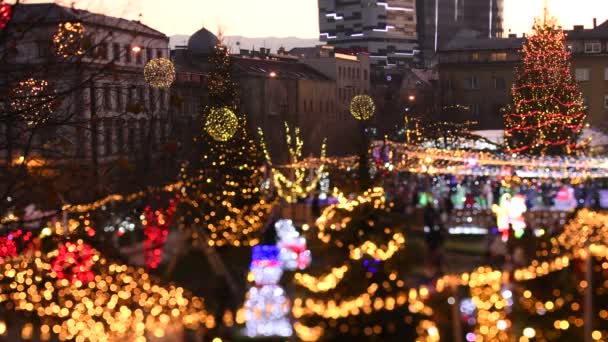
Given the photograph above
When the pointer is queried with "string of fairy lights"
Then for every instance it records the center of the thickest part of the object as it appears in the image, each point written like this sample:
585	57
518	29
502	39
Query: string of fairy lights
291	189
103	301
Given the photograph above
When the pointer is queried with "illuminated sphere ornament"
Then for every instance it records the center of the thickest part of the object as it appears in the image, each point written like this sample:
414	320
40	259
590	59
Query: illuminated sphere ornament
362	107
221	124
159	73
67	41
32	100
5	14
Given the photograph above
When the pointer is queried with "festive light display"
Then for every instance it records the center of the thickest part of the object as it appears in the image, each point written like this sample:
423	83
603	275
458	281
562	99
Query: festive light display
293	189
548	113
492	322
266	307
31	99
321	283
159	73
67	41
221	124
74	262
119	303
509	214
6	12
362	107
157	223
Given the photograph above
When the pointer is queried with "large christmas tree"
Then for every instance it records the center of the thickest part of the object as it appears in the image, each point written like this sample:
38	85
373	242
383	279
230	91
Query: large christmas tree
222	187
548	113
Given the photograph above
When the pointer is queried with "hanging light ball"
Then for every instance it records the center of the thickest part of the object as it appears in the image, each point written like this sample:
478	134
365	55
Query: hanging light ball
67	41
31	99
5	14
159	73
221	124
362	107
74	262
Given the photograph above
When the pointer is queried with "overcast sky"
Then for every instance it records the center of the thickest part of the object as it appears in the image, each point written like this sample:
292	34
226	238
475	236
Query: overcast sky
282	18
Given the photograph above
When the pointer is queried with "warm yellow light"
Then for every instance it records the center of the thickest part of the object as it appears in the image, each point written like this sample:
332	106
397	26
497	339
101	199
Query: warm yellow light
529	332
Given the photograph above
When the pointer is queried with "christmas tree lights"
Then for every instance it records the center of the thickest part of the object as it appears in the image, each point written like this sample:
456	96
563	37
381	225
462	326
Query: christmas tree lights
159	73
548	113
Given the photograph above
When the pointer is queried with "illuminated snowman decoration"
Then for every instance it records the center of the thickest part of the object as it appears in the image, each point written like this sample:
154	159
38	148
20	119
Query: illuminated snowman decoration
266	305
565	199
510	211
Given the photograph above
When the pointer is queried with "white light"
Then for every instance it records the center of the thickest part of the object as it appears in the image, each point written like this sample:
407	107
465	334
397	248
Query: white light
357	35
389	8
507	294
529	332
328	36
501	325
451	300
388	27
335	16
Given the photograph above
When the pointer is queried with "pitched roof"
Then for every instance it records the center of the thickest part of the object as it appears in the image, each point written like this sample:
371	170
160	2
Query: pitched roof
283	69
51	13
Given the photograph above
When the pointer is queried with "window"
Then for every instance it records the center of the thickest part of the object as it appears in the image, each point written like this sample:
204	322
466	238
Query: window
152	100
142	133
471	82
102	51
127	54
593	47
131	95
119	104
606	101
120	136
499	83
358	74
365	75
131	136
107	97
498	56
606	74
161	99
150	54
475	109
141	95
159	53
582	74
138	58
475	56
339	72
107	136
44	49
116	51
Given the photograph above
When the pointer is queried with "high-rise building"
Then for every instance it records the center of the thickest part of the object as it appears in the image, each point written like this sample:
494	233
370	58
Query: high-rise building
386	29
440	20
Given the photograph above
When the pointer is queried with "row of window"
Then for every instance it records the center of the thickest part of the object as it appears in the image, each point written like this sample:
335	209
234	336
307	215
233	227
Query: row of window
346	94
322	106
350	73
119	98
472	83
127	53
120	136
584	74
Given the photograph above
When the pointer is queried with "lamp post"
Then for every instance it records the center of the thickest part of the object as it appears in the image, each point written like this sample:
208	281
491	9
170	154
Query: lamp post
362	107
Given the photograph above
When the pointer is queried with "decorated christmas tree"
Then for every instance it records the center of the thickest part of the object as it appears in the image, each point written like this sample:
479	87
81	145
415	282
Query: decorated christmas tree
222	183
548	113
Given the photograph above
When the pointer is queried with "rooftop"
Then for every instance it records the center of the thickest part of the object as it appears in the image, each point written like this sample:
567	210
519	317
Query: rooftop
51	13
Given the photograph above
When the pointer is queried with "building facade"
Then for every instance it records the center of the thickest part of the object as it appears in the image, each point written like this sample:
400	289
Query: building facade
385	29
275	88
103	110
440	20
478	73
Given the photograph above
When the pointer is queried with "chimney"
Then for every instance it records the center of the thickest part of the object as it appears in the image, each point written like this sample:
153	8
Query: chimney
512	35
578	27
594	22
244	52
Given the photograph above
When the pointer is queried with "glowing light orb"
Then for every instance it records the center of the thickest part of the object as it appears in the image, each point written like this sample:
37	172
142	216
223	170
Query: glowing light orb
32	101
362	107
221	124
67	41
159	73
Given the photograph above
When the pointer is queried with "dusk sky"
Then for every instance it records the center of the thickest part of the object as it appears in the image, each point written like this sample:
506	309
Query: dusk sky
282	18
